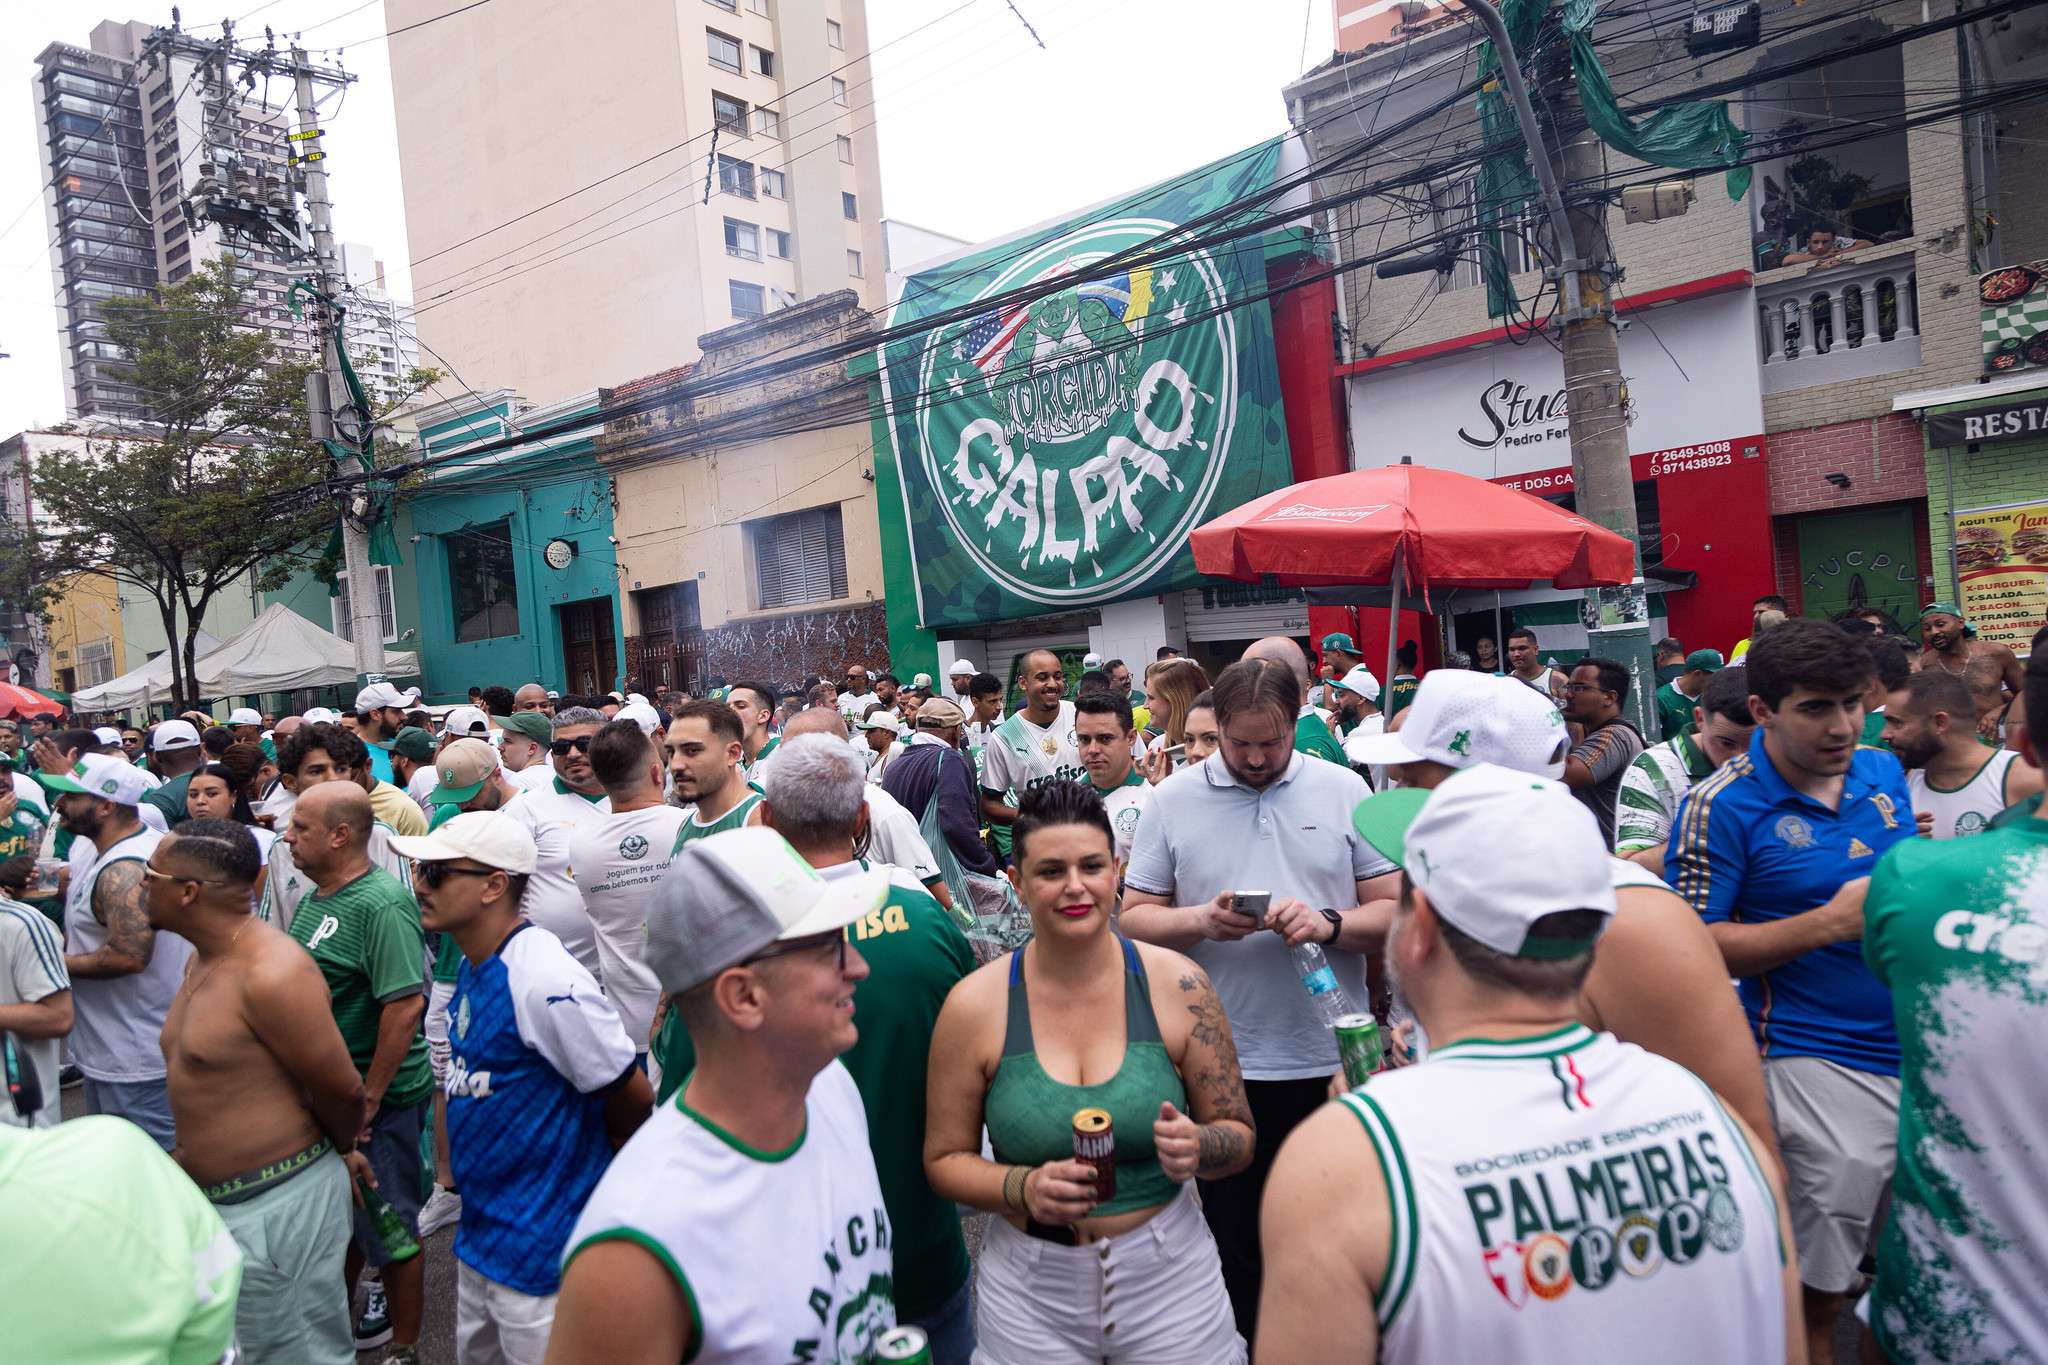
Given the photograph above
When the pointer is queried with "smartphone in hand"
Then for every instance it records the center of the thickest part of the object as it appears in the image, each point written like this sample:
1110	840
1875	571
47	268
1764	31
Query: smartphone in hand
1252	904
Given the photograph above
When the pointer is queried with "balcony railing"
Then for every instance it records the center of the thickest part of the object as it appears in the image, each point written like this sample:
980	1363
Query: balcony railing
1846	321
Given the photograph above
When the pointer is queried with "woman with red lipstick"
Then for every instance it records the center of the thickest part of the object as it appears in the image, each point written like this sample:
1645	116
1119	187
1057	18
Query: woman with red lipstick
1082	1018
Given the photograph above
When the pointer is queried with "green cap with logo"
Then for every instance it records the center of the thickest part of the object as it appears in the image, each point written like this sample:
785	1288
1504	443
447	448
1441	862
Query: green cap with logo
413	743
1704	661
1342	643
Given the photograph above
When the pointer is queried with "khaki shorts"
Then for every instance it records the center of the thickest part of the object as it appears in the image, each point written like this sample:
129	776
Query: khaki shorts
1838	1131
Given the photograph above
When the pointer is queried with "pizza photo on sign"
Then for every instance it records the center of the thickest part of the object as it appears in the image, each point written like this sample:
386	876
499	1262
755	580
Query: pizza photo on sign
1979	547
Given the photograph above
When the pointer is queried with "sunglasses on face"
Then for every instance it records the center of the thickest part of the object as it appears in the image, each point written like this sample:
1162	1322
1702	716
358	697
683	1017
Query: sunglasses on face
562	748
806	945
432	874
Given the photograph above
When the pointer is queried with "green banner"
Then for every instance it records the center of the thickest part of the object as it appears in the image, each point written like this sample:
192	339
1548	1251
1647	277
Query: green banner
1054	452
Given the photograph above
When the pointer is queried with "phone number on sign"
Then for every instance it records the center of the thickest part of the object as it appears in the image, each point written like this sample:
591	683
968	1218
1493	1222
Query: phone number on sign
1685	459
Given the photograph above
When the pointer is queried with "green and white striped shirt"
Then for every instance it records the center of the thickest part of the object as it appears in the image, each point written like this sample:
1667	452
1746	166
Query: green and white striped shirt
1651	788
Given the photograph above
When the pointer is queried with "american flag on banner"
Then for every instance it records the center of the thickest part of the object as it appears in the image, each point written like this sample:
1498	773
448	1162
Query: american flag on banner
988	340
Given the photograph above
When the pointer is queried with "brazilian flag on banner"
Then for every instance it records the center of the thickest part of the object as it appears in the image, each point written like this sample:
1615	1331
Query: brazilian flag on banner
1054	447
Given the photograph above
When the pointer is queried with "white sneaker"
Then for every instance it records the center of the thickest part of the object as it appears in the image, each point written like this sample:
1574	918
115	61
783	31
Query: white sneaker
442	1209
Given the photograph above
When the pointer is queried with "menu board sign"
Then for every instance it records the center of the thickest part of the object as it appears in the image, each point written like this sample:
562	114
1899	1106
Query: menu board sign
2002	571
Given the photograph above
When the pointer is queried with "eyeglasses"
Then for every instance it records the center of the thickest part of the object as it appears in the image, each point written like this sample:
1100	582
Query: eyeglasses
561	748
1582	687
156	876
805	945
432	874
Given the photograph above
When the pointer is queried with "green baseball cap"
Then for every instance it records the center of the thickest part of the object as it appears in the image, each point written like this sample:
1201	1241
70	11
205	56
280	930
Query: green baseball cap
413	743
1338	640
1704	661
532	724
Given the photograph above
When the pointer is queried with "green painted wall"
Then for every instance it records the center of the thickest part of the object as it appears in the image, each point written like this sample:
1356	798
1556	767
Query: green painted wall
2002	472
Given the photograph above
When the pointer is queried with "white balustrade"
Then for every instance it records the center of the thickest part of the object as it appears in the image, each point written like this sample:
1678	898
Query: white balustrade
1845	321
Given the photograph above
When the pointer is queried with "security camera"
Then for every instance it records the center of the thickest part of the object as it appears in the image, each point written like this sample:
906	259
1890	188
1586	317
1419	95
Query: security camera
1623	324
613	539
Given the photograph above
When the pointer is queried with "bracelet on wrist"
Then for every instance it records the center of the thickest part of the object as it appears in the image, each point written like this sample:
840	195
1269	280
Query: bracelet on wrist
1013	1188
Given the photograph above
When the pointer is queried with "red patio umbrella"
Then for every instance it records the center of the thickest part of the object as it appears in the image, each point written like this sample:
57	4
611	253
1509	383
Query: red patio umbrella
1413	528
16	700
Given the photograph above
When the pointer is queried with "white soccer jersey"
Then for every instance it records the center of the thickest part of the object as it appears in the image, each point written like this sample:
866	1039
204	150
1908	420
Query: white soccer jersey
1021	755
1569	1195
618	862
1970	808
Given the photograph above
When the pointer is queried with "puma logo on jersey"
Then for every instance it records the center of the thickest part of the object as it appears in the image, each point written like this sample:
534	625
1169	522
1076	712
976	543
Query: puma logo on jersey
329	926
569	995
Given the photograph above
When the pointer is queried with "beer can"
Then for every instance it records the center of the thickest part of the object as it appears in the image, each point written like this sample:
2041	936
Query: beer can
908	1345
1095	1143
1358	1043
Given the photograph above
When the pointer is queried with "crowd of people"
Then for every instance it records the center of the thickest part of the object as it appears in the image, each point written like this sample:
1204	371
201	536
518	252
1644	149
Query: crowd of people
1223	1018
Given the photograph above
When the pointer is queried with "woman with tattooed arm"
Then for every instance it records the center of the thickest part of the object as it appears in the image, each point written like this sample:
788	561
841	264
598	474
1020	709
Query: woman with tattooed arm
1082	1018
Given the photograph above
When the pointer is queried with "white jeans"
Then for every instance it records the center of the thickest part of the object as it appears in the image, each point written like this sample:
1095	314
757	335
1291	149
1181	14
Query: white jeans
498	1325
1155	1294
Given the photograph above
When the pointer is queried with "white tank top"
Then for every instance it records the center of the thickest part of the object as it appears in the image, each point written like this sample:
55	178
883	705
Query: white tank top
1969	808
117	1019
1569	1196
786	1255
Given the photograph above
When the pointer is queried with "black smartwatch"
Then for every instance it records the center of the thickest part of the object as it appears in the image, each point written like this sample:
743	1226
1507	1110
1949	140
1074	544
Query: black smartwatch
1336	925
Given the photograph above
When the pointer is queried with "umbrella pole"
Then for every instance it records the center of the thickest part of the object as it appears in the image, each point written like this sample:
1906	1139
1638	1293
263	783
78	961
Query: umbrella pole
1500	641
1393	620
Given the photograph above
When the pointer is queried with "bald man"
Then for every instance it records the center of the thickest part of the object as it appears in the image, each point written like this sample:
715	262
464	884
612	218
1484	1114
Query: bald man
363	929
1311	732
533	697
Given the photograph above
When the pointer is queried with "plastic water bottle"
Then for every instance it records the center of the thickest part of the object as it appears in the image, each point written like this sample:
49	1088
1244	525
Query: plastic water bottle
1328	998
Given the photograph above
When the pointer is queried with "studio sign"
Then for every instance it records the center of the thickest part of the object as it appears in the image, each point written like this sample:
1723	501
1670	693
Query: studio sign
1513	416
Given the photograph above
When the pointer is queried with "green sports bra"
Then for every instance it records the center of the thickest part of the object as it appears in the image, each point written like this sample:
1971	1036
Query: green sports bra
1030	1116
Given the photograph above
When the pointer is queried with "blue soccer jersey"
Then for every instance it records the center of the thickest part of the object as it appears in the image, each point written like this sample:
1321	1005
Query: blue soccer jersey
535	1048
1747	849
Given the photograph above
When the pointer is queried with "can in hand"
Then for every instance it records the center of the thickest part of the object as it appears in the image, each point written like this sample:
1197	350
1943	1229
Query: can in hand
1095	1143
908	1345
1358	1043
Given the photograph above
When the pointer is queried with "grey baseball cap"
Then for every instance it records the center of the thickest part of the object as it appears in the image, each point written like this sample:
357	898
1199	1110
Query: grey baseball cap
726	898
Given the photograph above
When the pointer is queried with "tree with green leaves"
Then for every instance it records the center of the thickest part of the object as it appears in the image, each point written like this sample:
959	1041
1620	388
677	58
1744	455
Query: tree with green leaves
220	480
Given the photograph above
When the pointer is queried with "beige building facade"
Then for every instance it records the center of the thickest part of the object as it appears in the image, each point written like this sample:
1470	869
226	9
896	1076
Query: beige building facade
556	169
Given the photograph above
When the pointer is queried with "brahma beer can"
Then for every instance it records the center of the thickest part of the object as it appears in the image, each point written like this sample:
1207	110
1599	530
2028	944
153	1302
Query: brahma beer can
1095	1143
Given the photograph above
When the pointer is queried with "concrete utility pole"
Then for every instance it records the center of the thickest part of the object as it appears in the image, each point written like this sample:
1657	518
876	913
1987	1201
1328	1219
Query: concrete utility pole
366	629
1618	619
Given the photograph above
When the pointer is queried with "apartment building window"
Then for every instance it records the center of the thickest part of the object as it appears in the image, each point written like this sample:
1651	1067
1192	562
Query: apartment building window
1859	189
774	184
849	206
764	62
799	558
778	244
742	239
730	6
483	583
834	35
845	149
729	114
758	6
387	608
853	264
180	271
724	49
748	300
736	176
768	123
838	91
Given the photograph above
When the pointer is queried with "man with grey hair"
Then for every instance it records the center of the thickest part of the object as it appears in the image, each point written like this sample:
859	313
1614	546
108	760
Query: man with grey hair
915	954
1311	728
893	835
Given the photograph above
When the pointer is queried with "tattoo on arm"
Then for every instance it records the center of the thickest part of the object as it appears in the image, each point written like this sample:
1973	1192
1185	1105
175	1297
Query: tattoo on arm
117	903
1217	1077
1220	1148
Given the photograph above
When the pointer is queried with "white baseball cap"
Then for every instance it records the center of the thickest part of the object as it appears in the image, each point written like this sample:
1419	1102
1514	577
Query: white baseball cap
1495	851
881	720
1460	718
379	694
1361	681
466	720
107	734
483	836
110	777
244	715
726	898
962	668
642	714
320	715
1091	661
172	734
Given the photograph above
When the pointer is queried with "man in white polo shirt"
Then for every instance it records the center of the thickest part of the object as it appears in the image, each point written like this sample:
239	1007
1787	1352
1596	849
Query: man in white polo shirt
1258	816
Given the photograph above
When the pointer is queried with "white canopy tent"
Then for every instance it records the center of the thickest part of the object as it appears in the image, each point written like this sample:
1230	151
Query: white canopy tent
144	686
279	651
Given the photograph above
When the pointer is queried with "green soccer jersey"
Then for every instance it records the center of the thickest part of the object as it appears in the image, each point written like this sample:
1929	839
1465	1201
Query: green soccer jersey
1400	692
367	939
1958	929
113	1256
1312	737
732	819
1674	710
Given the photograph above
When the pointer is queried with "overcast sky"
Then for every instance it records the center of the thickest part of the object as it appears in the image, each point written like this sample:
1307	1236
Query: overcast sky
981	131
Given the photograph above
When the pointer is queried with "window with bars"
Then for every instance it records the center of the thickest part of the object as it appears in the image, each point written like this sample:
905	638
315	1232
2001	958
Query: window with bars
799	557
483	583
387	607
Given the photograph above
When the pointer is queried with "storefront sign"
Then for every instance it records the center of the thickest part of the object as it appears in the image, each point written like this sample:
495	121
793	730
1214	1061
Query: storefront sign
2002	571
1055	452
1989	425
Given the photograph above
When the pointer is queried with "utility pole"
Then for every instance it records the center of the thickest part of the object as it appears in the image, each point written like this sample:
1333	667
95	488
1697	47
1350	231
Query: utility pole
366	630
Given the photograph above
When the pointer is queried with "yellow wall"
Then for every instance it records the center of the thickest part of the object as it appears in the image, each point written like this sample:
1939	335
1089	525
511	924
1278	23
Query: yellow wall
88	611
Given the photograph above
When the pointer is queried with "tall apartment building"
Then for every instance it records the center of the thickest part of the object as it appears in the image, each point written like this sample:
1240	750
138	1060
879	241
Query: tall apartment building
383	340
760	185
122	139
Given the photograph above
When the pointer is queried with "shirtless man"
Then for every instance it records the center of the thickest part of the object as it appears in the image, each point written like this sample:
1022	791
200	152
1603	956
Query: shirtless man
1991	671
267	1102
